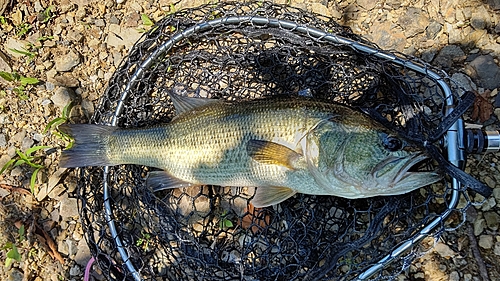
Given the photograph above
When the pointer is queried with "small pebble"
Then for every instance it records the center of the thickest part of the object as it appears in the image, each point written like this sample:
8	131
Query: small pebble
68	208
38	7
27	143
62	247
38	137
83	254
492	220
496	250
454	276
67	62
62	97
485	241
3	141
444	250
72	247
18	137
479	225
16	172
75	271
419	275
49	86
496	193
15	275
99	23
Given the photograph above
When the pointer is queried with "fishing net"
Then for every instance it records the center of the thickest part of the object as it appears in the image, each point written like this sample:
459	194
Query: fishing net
238	51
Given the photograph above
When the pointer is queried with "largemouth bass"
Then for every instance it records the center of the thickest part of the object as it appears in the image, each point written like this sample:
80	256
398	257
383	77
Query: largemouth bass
281	145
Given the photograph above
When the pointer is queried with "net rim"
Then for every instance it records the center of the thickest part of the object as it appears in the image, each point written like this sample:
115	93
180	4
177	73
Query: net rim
317	34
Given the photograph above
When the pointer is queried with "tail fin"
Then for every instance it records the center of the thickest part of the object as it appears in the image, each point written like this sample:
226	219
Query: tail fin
90	147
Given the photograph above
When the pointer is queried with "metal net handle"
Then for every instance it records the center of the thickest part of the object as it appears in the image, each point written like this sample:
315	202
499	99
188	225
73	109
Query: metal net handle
452	134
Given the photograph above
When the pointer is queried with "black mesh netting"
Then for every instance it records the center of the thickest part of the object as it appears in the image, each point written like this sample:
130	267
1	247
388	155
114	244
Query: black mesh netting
209	232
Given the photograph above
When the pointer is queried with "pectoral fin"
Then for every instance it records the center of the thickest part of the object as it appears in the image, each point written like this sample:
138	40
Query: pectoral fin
160	180
271	195
273	153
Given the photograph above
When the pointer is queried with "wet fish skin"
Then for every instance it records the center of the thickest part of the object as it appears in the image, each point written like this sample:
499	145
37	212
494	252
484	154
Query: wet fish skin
281	145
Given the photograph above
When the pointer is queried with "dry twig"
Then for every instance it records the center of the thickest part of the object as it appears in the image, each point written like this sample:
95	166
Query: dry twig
15	189
483	271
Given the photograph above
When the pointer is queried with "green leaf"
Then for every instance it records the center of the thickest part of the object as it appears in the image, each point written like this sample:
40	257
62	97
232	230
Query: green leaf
28	81
67	109
7	76
146	21
7	165
54	123
23	52
30	150
47	14
23	29
20	92
7	246
14	253
19	162
228	223
33	180
44	38
22	155
20	231
8	262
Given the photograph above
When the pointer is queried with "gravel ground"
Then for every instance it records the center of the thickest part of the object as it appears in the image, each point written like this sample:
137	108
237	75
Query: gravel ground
73	48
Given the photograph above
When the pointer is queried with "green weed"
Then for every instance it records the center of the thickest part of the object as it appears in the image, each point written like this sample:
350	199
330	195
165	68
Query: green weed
53	125
13	252
22	29
144	241
24	52
44	38
146	21
224	222
20	83
47	14
29	159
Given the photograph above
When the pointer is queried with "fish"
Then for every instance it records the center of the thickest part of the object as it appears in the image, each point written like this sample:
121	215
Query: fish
280	145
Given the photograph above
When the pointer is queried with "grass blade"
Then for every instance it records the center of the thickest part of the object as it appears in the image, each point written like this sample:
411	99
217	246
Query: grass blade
30	150
33	180
7	165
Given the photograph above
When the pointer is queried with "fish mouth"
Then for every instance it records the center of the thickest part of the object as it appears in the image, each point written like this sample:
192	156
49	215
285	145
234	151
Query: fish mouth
400	174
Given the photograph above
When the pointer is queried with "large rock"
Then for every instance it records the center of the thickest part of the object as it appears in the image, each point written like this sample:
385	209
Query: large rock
387	36
485	71
414	22
67	61
119	36
367	4
448	55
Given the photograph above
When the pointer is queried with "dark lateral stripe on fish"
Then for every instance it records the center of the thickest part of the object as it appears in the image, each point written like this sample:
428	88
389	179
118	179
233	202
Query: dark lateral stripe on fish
89	148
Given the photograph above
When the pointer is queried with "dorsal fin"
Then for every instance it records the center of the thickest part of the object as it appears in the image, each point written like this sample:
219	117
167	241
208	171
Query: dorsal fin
183	104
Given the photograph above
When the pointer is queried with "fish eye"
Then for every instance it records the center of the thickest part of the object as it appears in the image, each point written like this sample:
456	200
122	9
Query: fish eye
392	143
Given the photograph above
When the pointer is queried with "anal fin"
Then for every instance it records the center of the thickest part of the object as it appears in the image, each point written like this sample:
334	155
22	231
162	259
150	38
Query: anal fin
271	195
160	180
